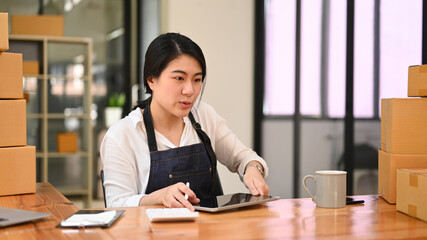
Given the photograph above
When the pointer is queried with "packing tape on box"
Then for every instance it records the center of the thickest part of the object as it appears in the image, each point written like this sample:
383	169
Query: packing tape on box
413	180
412	210
386	103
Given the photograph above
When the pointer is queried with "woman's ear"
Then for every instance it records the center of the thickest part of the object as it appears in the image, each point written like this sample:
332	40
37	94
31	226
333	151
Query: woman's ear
150	82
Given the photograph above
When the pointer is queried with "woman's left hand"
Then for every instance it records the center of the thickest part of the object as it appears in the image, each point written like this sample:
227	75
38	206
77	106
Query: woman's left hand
255	182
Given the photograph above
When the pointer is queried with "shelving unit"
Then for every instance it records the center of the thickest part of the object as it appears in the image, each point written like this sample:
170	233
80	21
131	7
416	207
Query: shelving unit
49	122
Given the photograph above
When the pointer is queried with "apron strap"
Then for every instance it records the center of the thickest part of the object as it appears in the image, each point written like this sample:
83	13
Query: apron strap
207	142
148	122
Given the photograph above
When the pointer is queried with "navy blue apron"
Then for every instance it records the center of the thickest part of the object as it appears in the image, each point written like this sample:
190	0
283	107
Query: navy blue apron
195	163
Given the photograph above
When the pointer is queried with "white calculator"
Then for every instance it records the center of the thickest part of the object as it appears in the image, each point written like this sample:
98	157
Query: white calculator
170	214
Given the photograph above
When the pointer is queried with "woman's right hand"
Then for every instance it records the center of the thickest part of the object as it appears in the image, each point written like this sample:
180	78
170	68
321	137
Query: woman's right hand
172	196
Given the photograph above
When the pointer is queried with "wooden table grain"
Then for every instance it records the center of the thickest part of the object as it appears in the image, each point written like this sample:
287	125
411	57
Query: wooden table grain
46	199
282	219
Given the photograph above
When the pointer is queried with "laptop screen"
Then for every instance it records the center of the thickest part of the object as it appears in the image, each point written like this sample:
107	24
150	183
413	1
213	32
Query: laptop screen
10	216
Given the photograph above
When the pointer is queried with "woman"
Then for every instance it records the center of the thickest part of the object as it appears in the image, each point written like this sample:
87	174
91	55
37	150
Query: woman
151	154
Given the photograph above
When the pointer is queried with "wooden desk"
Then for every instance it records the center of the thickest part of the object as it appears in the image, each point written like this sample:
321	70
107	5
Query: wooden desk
282	219
46	199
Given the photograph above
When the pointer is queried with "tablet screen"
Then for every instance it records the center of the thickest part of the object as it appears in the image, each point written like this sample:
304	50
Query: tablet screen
230	201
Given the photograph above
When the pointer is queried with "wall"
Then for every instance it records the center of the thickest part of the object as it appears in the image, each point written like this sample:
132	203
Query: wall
224	29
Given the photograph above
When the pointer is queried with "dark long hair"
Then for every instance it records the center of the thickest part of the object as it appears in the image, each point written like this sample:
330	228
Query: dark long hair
162	51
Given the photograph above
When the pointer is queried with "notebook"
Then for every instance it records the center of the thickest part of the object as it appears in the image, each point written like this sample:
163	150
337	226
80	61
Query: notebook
11	216
91	218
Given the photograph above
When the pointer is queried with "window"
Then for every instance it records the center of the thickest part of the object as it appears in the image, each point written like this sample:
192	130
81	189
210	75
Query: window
401	44
280	57
311	30
323	54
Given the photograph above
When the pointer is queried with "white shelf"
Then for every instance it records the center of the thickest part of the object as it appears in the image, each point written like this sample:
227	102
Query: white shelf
34	38
43	153
62	155
57	116
49	76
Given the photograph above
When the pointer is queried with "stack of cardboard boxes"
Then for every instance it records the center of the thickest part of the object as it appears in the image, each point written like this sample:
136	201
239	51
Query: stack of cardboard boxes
403	136
17	160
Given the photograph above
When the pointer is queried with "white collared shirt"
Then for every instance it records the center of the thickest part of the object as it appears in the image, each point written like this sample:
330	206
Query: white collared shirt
126	157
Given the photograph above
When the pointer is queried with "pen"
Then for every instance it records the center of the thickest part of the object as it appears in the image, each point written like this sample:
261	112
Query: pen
186	195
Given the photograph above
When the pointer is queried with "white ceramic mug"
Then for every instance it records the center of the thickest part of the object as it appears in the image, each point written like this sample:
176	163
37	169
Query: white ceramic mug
331	188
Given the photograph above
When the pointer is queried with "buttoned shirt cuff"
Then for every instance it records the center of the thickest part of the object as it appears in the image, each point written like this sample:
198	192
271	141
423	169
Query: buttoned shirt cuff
133	201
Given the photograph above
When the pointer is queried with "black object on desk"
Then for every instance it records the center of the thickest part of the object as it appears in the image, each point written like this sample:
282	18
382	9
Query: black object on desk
352	201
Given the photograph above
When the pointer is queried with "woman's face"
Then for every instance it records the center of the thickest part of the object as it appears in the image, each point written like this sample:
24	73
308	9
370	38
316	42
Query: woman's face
177	88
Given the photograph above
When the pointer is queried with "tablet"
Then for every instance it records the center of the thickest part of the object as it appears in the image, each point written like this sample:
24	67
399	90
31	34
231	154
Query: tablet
231	201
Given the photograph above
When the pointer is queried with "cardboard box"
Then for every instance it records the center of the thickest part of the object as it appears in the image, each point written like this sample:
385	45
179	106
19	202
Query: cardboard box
17	170
404	125
388	163
11	83
13	123
412	192
4	32
44	25
30	67
417	81
67	142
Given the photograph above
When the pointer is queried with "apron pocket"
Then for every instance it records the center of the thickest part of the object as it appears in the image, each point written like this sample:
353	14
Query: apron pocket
199	179
176	176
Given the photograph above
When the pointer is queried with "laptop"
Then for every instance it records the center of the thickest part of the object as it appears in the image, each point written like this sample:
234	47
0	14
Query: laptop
232	201
10	216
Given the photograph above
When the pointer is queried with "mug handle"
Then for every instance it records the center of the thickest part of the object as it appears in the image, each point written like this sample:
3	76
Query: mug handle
305	187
